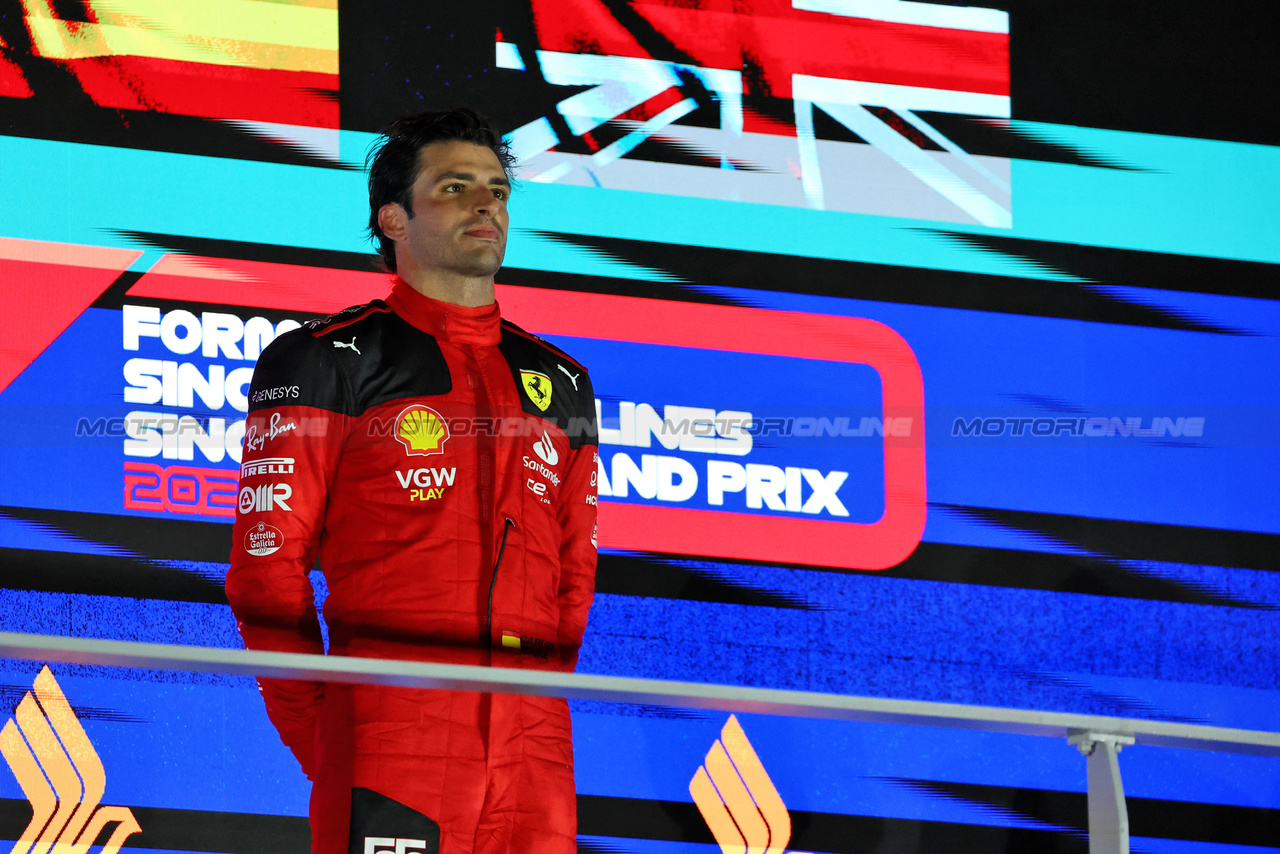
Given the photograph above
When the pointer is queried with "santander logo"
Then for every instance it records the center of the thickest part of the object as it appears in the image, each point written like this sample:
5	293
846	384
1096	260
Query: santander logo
546	450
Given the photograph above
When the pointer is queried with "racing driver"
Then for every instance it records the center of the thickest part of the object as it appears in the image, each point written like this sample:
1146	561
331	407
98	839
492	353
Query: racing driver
440	464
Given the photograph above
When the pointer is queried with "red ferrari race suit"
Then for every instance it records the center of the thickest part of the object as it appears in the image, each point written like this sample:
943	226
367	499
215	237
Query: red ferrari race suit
440	463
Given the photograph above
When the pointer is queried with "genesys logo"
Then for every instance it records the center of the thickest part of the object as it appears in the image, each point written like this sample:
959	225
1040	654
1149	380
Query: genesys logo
737	799
61	774
277	393
265	498
421	430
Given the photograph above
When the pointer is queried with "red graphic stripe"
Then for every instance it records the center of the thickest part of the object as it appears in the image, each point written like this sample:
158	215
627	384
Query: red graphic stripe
515	330
49	285
852	545
777	41
12	83
211	91
179	489
332	328
754	122
745	536
582	26
653	106
228	281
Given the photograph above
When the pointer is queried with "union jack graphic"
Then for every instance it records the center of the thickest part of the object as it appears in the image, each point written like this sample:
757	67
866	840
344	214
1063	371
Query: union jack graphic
61	775
777	75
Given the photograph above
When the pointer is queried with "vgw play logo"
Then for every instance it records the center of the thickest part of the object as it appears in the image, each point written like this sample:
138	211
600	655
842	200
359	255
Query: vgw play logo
737	799
60	773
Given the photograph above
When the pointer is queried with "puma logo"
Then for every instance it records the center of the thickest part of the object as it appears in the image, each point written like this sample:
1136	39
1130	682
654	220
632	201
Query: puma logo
573	378
352	345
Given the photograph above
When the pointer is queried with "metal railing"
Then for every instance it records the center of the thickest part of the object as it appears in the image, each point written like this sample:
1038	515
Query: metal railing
1100	738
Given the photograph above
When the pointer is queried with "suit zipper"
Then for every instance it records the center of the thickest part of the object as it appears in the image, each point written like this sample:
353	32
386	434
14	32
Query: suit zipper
507	525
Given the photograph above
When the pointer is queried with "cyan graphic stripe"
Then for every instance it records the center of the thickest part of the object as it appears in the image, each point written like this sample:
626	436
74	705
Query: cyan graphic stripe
1195	197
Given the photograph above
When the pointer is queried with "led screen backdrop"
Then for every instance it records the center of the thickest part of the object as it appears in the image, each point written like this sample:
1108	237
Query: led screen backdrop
935	353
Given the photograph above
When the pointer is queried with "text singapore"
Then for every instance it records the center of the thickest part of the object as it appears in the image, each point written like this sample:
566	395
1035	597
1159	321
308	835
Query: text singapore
177	384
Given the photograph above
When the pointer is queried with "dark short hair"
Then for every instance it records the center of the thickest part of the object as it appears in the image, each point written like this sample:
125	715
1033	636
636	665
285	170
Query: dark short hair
394	165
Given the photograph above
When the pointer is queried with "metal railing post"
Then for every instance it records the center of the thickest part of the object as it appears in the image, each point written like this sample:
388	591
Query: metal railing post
1108	815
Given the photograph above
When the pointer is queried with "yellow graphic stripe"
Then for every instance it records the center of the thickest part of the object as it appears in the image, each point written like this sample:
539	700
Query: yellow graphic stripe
237	20
56	765
715	815
83	757
315	4
758	784
31	779
247	33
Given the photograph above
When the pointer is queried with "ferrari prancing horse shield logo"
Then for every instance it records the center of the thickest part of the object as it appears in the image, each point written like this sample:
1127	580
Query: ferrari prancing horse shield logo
538	387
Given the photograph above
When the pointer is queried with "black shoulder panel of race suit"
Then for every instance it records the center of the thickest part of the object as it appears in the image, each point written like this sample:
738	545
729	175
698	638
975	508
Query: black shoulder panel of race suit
349	362
552	384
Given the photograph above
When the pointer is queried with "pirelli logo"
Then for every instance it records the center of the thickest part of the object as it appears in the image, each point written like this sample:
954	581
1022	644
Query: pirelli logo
737	799
61	775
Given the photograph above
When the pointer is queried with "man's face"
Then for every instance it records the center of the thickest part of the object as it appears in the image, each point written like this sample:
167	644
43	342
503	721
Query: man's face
459	222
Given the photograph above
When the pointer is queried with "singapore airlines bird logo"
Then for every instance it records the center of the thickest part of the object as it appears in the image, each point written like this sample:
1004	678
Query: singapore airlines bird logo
737	799
61	775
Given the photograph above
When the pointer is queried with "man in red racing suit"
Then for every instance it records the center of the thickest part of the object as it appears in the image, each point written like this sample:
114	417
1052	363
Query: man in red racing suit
440	463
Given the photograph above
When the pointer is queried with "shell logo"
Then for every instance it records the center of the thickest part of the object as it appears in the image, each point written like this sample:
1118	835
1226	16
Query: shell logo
421	430
60	773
